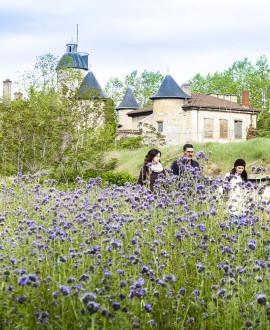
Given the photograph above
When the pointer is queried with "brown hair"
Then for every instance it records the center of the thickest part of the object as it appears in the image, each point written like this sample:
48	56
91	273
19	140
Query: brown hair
150	155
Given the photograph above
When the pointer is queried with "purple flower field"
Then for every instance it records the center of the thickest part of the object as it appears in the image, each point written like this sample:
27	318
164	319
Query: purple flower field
108	257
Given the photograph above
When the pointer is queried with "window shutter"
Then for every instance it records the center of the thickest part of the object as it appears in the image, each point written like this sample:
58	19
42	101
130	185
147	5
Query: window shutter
208	127
238	129
223	126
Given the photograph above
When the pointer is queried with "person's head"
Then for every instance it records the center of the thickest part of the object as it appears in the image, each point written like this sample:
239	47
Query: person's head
240	168
153	156
188	150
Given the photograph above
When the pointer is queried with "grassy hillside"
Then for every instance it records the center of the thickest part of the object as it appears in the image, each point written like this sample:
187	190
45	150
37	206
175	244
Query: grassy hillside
256	153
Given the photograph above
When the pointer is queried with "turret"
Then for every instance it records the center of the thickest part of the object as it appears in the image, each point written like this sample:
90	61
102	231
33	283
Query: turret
127	104
72	67
168	112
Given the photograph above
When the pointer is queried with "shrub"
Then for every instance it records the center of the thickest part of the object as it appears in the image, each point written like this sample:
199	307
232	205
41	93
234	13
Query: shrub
118	178
133	142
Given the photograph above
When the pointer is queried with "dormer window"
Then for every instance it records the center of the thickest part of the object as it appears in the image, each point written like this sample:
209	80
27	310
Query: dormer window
71	47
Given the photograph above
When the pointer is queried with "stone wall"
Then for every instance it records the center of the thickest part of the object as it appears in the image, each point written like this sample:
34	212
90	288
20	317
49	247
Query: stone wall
124	119
170	113
70	78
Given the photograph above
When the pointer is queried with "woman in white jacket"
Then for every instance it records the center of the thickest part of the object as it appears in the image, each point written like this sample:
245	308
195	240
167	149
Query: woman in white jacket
236	180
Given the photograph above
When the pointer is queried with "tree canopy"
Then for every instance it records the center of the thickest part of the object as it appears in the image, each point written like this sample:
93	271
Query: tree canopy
241	75
50	129
143	85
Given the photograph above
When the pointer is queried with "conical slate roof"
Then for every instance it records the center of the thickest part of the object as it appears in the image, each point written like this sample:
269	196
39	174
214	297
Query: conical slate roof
169	90
72	60
129	101
90	81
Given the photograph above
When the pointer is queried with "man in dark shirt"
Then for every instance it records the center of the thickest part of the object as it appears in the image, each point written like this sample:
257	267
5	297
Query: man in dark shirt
188	152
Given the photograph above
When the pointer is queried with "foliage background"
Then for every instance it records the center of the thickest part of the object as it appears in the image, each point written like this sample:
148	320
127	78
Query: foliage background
143	86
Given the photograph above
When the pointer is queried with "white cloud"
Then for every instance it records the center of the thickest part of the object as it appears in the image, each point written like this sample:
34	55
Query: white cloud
122	35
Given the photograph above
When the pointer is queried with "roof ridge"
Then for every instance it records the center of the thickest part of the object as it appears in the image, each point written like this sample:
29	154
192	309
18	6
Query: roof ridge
206	100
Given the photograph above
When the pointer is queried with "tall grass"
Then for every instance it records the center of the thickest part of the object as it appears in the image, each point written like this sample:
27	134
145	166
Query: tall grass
256	152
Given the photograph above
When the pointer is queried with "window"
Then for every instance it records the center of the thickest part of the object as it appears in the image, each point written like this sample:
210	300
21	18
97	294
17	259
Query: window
160	126
208	127
238	129
223	128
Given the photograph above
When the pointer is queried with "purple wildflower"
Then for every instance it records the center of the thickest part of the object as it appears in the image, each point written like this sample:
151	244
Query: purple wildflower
92	306
200	154
252	244
88	296
261	299
148	307
116	243
183	291
116	306
24	280
65	290
22	299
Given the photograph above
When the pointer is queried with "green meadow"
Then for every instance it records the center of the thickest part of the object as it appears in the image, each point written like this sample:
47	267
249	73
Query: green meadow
256	152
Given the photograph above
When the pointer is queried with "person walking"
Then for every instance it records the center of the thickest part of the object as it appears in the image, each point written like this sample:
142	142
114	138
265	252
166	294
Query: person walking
236	191
151	170
179	165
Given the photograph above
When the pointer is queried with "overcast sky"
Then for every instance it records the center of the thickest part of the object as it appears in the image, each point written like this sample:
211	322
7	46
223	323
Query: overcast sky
188	37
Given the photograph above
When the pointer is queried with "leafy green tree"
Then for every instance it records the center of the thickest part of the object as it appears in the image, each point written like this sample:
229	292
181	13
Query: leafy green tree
143	86
52	129
93	132
31	135
241	75
43	76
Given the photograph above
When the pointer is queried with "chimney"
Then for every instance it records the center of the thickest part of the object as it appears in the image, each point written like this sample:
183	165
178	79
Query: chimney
245	98
7	89
186	89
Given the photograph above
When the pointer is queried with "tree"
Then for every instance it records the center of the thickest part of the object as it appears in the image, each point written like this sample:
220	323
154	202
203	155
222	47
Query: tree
53	129
43	76
143	86
241	75
31	135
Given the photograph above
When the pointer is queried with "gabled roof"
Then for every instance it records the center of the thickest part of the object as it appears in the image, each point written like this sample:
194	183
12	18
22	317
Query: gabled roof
141	112
204	101
90	82
129	101
169	90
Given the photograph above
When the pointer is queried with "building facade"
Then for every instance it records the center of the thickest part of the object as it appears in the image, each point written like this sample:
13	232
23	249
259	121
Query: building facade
183	117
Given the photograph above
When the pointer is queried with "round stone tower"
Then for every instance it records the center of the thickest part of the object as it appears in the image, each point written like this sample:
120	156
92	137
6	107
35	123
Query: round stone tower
168	112
72	67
